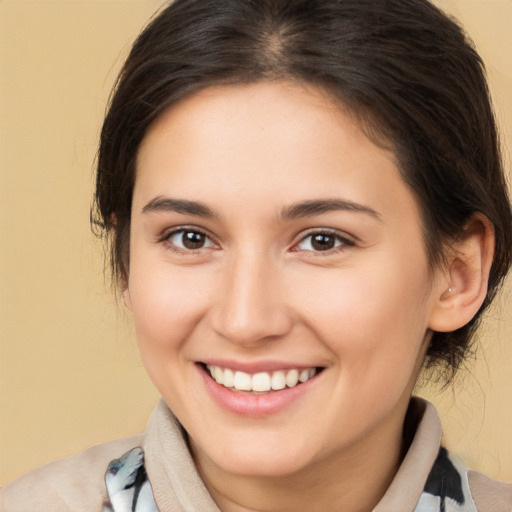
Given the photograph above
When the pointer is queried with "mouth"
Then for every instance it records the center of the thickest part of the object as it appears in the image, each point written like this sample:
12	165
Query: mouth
261	382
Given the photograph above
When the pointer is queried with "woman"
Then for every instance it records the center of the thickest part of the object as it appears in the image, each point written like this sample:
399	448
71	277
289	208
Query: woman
306	207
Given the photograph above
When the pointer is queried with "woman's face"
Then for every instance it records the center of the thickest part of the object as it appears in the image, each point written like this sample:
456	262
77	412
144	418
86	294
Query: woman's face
271	240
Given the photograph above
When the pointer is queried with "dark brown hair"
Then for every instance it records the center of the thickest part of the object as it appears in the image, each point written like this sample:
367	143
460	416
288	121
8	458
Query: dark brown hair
405	69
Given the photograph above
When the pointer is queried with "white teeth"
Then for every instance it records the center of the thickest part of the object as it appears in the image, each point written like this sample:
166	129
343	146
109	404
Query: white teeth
242	381
278	380
229	378
292	377
260	382
218	374
304	375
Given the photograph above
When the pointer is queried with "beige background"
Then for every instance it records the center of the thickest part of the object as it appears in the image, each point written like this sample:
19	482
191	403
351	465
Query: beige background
70	375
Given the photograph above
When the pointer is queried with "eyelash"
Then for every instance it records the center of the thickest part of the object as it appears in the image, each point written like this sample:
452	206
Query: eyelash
341	241
166	239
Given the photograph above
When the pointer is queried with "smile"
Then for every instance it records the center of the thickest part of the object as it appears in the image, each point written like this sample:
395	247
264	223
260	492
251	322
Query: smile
261	382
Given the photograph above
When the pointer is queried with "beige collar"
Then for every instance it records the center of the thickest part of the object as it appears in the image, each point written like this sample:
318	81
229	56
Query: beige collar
176	482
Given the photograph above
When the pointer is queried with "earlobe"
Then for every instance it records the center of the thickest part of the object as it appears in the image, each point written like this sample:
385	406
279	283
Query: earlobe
467	274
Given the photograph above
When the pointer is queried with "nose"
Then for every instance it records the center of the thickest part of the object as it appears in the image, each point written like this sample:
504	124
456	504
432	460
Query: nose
251	305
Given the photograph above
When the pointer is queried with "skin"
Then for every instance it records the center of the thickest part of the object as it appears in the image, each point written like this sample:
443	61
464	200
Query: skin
258	291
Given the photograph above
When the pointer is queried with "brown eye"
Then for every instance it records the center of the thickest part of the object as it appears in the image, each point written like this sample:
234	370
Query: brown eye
193	240
189	240
322	242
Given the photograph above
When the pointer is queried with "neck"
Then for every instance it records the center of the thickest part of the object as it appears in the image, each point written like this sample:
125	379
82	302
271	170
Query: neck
353	479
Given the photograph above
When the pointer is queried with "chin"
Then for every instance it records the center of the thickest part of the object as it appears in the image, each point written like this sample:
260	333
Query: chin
263	467
271	459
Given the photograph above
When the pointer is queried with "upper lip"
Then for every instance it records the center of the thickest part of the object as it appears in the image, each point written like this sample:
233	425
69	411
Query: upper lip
256	366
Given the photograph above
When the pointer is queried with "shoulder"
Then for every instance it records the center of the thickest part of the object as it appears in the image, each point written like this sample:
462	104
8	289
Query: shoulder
75	483
490	495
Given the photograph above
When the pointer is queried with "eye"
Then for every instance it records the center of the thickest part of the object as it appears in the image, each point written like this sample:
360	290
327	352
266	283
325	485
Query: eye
189	240
322	241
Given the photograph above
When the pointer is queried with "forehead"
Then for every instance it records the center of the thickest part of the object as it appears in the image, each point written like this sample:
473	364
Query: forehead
280	141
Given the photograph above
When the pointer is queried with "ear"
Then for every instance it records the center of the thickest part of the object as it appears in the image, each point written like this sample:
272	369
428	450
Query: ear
464	287
127	299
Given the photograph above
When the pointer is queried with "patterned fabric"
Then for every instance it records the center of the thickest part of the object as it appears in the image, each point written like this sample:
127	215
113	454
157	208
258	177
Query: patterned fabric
129	490
447	487
127	483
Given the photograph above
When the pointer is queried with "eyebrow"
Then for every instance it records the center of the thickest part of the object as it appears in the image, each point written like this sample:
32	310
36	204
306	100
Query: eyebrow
319	206
294	211
167	204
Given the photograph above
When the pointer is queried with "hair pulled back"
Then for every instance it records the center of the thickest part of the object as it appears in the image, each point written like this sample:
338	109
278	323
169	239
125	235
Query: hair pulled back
402	67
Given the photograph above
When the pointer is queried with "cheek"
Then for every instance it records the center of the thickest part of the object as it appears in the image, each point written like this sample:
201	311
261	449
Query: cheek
373	318
167	305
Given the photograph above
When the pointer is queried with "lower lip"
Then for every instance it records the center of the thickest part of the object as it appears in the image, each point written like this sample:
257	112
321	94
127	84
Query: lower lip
254	405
